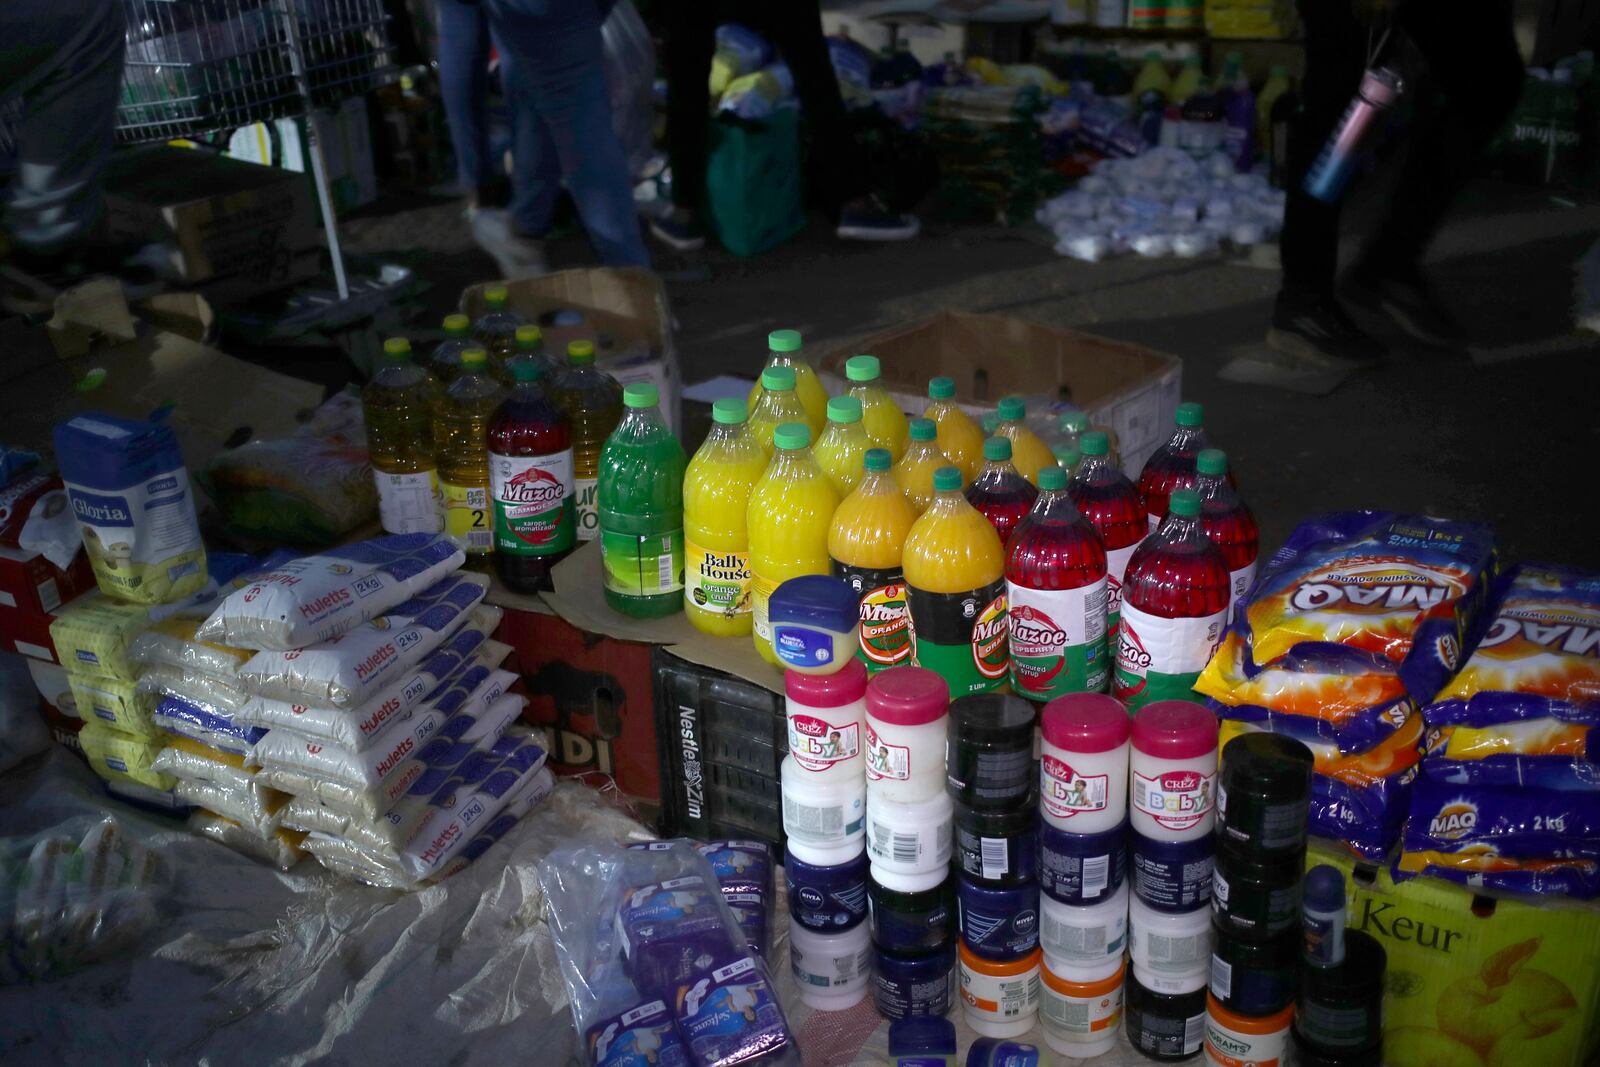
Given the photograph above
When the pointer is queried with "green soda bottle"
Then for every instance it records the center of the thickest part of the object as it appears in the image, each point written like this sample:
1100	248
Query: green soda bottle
641	510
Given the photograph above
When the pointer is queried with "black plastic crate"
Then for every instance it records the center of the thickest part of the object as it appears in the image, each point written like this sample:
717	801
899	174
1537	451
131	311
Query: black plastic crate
721	741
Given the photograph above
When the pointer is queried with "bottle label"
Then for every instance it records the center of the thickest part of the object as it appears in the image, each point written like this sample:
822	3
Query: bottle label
533	503
1160	659
1176	800
817	744
885	760
962	637
636	565
1058	640
1239	584
761	588
1116	566
467	516
885	621
717	581
587	492
1064	792
409	503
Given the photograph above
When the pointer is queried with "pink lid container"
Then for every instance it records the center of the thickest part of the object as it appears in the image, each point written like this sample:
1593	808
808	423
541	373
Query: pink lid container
907	696
845	686
1086	722
1174	729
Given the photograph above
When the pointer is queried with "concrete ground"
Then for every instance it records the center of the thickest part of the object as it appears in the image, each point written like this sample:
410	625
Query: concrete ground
1502	433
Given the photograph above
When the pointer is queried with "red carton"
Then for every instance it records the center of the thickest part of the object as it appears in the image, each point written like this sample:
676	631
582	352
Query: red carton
31	583
28	633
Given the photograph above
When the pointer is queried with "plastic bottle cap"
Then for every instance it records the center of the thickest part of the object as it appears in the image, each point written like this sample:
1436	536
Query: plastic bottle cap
1094	443
946	479
1184	502
878	459
397	348
1051	479
924	430
457	325
1067	456
496	296
791	435
529	335
729	411
1085	722
527	370
941	388
1174	729
777	379
640	395
862	369
845	686
783	341
1188	414
997	449
1324	888
1012	408
907	696
580	352
474	357
845	409
1211	461
1074	422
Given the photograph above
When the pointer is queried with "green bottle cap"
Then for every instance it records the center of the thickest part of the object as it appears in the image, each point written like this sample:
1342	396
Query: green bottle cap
996	449
1073	422
396	349
924	430
1184	502
1095	443
1012	408
783	341
1066	455
526	369
941	388
1188	414
474	359
640	395
1052	478
729	411
580	353
877	459
845	409
946	479
792	435
529	336
862	368
457	325
496	296
1211	461
777	379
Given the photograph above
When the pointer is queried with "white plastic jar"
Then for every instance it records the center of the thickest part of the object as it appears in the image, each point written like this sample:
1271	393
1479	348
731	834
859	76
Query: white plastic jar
909	837
909	883
833	970
826	819
907	708
1083	763
1000	1000
1173	780
1171	951
1086	934
826	715
1081	1019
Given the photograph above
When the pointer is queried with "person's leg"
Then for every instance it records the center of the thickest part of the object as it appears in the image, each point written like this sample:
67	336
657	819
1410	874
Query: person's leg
463	89
690	28
535	166
558	61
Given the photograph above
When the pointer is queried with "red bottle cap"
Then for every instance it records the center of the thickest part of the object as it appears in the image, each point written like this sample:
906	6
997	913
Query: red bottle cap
1085	722
907	696
1174	729
844	686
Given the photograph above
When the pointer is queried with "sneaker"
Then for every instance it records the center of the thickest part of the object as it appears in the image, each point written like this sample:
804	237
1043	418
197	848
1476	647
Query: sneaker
514	255
678	229
1405	296
1316	329
866	220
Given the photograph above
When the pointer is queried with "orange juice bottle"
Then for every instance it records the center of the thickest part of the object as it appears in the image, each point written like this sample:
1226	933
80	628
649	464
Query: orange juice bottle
783	350
775	404
790	511
1029	453
956	592
960	439
716	494
915	470
884	421
865	542
842	445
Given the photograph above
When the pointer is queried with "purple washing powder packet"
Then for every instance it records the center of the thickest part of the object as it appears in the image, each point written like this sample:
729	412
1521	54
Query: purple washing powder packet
739	862
642	1036
671	931
1367	818
730	1016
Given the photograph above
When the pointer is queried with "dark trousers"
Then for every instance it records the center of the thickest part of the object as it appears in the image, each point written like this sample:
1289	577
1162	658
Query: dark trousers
1473	61
794	28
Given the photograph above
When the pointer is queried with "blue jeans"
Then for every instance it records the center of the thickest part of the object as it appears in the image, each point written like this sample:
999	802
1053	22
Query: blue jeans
558	67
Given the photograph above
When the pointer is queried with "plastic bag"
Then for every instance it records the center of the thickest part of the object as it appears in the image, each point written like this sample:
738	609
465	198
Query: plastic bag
298	490
630	66
173	641
114	701
222	697
180	717
281	848
93	635
36	516
114	754
754	198
254	808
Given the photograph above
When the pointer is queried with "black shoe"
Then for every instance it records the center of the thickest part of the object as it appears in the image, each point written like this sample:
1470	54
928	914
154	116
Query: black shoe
867	220
1315	328
679	230
1405	296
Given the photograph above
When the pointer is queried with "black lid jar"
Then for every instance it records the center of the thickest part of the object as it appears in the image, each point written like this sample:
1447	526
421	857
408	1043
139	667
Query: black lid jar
1164	1026
988	753
998	847
1264	795
915	923
1255	977
1256	899
1340	1009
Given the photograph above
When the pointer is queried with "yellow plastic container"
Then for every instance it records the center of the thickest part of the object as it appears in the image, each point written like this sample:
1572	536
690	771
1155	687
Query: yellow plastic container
866	541
716	495
460	435
914	471
784	351
843	445
884	421
774	404
1029	453
790	512
960	439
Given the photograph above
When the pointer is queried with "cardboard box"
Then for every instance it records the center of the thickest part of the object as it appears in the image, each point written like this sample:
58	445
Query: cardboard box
27	633
29	582
239	229
623	311
1126	388
1477	981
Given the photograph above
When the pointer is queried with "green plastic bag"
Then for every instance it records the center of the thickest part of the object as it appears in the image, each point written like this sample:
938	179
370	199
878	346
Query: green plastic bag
753	183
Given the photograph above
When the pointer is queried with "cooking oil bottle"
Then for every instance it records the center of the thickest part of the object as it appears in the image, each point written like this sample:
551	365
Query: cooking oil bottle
591	400
460	439
496	328
397	407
